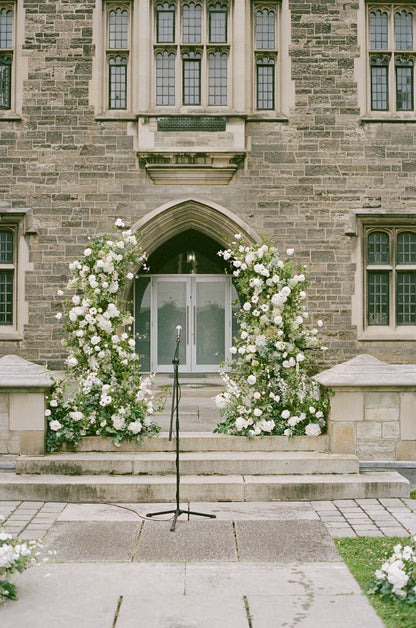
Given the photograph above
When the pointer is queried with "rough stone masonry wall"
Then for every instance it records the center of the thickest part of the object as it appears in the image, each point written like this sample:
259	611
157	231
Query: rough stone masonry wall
300	181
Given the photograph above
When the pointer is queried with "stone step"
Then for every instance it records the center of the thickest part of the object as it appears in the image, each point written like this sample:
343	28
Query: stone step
193	488
207	441
191	463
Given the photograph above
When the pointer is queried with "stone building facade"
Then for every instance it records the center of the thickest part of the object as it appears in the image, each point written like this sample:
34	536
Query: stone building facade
194	120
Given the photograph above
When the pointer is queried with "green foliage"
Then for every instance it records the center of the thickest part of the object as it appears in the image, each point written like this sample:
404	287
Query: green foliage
16	555
267	388
363	557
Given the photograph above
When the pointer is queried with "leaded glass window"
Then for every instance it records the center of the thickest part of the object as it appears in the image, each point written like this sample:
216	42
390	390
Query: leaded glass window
379	84
117	83
6	276
265	25
165	78
391	72
378	248
403	30
165	23
191	54
5	81
265	83
6	57
217	24
191	23
6	28
391	277
406	247
118	29
404	84
191	68
217	79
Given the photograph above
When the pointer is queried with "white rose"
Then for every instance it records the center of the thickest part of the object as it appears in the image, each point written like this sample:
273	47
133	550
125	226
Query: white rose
247	307
285	414
257	412
55	425
290	252
58	316
251	379
87	252
312	429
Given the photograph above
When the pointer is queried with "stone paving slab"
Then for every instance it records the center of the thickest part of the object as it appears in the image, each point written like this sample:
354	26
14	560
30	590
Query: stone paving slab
192	540
325	611
285	541
270	578
92	541
203	611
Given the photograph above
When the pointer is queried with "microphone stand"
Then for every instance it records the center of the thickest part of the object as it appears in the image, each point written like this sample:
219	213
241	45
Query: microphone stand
175	409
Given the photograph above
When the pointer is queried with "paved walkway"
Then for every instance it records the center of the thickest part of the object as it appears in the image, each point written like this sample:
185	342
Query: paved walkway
256	565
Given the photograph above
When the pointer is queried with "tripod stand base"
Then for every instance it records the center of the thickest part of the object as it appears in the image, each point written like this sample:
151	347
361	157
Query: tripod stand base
178	512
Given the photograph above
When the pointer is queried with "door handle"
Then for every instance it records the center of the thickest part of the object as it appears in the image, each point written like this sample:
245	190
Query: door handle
187	324
194	326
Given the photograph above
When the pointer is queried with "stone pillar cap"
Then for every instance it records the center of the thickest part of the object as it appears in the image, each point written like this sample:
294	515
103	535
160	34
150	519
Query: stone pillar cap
366	370
15	372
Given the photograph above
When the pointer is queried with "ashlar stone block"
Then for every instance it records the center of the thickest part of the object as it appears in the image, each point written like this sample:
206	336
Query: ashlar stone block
27	411
381	399
341	438
408	415
391	430
382	414
347	406
368	431
406	450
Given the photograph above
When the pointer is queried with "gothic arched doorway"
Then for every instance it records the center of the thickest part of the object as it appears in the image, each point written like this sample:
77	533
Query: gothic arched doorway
186	285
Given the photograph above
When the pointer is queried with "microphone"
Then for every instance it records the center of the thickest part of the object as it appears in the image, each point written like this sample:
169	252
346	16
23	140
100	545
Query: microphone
178	332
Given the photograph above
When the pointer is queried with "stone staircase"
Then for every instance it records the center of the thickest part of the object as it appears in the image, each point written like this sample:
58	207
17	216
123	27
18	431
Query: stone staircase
213	468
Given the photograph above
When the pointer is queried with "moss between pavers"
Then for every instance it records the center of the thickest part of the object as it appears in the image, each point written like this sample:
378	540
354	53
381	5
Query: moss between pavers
363	556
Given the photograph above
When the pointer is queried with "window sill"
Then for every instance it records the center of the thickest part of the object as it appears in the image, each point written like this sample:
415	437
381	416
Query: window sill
116	116
380	335
9	335
389	118
10	116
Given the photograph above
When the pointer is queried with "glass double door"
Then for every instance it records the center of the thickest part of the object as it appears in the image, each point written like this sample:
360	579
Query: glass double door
201	305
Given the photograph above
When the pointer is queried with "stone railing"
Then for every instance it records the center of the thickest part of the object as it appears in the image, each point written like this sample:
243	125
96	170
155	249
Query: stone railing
23	386
373	410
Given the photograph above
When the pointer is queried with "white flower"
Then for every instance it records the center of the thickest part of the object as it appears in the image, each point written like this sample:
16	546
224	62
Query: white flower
278	320
58	316
312	429
257	395
130	276
87	252
320	323
95	340
257	412
119	223
135	427
72	361
233	350
247	307
244	335
220	401
285	414
48	413
251	379
312	410
53	403
290	252
60	293
300	357
76	416
55	425
76	299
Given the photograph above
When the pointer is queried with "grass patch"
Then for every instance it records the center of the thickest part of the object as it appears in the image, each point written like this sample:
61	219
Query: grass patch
362	557
413	494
